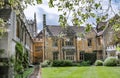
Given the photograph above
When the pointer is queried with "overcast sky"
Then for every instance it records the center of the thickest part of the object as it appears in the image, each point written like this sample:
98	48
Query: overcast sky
52	15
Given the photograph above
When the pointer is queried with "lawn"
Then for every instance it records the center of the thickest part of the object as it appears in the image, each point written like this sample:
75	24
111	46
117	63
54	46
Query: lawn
81	72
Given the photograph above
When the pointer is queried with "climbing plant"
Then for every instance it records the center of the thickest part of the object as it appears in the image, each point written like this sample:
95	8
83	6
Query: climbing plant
25	59
19	58
21	61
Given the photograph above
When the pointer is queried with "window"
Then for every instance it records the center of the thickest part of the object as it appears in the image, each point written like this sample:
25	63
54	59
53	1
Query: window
55	44
99	41
89	42
62	42
69	55
55	55
81	56
38	48
69	42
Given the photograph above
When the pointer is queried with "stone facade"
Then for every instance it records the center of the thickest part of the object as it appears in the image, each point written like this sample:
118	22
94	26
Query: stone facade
70	45
64	43
38	48
72	42
18	30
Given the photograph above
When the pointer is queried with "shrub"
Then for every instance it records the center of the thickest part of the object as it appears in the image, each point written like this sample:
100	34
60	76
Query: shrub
76	64
98	63
110	61
62	63
85	63
91	57
46	63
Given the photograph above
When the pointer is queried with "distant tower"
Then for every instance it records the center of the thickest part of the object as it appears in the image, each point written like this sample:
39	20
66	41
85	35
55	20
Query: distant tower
35	23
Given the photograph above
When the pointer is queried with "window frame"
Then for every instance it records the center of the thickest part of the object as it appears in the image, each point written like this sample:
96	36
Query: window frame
81	55
55	55
89	40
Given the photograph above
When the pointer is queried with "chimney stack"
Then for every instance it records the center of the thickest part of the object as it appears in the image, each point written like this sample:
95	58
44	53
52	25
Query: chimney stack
44	20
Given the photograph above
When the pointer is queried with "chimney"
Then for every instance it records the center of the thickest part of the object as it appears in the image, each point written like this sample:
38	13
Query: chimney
44	20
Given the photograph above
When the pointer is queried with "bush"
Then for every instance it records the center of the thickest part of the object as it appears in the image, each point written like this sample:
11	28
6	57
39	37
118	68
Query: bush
85	63
110	61
62	63
99	63
91	57
46	63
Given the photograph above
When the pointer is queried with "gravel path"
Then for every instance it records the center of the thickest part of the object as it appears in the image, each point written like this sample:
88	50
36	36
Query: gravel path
36	73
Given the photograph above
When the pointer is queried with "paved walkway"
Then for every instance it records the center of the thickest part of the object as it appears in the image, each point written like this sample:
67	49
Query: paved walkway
36	73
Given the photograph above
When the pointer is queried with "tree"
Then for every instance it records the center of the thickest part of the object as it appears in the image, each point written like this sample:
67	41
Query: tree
81	11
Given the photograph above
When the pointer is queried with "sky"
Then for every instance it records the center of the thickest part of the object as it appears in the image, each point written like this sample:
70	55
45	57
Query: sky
52	15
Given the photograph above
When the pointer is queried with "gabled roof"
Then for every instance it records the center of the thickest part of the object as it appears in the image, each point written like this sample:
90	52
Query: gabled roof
40	34
56	30
5	14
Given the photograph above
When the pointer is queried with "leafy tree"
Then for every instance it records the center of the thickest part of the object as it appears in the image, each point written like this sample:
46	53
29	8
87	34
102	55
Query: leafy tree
84	10
81	11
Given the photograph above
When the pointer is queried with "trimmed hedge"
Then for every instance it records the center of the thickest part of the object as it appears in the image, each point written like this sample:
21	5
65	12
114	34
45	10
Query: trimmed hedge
61	63
111	61
98	63
91	57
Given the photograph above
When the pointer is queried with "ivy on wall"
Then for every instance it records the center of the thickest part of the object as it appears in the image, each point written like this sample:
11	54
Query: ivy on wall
19	58
25	59
21	61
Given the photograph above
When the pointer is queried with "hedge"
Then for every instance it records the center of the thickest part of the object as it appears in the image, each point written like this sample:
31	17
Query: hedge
91	57
62	63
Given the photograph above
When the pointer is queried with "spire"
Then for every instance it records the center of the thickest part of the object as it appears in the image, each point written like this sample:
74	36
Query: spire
35	23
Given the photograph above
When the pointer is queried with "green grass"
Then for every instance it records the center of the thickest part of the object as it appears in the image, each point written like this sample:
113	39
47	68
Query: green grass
26	73
81	72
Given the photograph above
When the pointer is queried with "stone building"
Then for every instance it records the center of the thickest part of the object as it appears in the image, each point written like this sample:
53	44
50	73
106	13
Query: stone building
18	29
38	48
68	43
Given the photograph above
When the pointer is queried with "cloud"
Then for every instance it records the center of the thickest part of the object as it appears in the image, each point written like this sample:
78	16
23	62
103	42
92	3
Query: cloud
52	15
